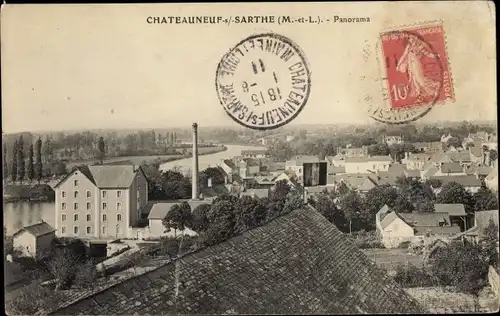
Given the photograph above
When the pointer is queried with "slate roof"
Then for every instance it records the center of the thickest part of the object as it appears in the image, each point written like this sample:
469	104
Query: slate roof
300	160
359	181
463	156
336	170
397	169
158	210
369	159
451	167
229	163
466	181
412	173
297	264
476	151
250	162
37	230
259	193
451	209
425	219
483	170
420	157
107	176
277	166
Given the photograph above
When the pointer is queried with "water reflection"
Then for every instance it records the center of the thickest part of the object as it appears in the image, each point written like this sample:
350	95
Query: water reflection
19	214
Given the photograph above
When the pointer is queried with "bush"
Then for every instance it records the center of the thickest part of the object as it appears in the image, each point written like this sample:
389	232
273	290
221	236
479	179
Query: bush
404	245
32	299
412	276
365	239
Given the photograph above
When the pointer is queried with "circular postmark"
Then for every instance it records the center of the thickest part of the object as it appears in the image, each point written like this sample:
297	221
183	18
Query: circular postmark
412	77
264	81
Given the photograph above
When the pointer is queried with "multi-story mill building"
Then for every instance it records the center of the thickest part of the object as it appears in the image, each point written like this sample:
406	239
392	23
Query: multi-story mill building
99	202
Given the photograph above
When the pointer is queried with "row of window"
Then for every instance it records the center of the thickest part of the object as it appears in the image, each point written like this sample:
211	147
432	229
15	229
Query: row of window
88	230
89	194
89	206
89	217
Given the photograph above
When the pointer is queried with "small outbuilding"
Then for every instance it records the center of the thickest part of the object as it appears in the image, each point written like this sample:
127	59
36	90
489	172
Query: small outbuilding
34	240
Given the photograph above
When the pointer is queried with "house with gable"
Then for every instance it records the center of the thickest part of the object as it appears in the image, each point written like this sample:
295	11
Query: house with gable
360	182
416	161
456	212
297	165
367	164
394	228
248	167
469	182
35	240
100	202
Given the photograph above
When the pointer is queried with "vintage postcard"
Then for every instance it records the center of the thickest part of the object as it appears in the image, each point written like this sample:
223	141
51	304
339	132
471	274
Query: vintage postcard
250	158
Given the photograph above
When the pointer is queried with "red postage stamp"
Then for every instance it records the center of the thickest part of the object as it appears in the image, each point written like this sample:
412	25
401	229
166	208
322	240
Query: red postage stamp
416	65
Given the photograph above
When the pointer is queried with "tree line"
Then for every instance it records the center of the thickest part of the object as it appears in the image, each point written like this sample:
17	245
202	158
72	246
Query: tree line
18	167
357	137
174	185
85	145
229	215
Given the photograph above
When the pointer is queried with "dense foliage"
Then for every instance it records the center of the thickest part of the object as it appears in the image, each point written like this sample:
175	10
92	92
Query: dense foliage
351	211
229	215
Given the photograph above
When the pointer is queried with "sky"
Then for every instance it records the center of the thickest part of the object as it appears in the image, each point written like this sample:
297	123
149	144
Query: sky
102	66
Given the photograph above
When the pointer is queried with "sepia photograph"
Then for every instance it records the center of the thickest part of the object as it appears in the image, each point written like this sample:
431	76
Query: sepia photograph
243	158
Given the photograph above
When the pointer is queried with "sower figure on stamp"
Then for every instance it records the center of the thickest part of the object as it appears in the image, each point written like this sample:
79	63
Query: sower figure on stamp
420	86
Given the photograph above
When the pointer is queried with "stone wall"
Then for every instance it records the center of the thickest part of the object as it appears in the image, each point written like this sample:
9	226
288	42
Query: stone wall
494	280
445	300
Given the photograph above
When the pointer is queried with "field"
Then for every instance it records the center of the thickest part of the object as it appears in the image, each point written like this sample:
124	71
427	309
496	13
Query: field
389	259
148	159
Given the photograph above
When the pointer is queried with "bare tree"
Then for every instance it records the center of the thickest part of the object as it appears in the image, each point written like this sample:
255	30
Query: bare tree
63	267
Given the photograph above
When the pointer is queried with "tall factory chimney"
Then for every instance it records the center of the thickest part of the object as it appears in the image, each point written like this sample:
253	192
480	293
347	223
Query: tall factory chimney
195	182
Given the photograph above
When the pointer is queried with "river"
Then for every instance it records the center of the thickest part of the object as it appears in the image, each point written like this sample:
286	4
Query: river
206	161
19	214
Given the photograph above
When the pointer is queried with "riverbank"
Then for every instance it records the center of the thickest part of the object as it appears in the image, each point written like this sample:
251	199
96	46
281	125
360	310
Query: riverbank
34	192
138	160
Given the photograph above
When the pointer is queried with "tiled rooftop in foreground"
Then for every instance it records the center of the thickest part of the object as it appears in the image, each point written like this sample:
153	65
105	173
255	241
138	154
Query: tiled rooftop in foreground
297	264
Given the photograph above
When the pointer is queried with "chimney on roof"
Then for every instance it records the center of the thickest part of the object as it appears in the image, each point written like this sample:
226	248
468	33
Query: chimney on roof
194	192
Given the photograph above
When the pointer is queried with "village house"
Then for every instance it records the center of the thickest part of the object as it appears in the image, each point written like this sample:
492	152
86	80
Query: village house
469	182
229	167
260	182
394	228
288	175
248	167
367	164
445	138
481	222
254	153
456	212
393	139
491	142
297	165
100	202
481	139
157	212
35	240
491	179
428	147
360	182
255	193
416	161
